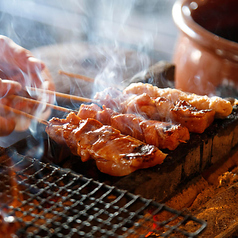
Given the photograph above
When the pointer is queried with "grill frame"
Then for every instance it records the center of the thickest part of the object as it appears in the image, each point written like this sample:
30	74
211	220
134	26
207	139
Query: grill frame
128	215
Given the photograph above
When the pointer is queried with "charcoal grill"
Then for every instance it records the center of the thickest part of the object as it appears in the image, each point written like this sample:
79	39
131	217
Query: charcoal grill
48	201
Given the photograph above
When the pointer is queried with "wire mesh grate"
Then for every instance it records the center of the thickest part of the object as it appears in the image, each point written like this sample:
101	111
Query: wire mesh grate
42	200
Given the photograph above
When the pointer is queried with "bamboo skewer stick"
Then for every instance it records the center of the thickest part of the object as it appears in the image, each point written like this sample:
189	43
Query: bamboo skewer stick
57	94
85	78
61	95
78	76
59	108
18	112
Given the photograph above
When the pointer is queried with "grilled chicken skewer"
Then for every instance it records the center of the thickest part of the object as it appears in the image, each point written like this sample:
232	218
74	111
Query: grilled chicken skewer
177	106
163	135
190	110
114	153
159	108
222	107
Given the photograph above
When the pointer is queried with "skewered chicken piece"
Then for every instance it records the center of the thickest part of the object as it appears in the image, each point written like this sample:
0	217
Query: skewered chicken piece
163	135
114	153
159	108
222	107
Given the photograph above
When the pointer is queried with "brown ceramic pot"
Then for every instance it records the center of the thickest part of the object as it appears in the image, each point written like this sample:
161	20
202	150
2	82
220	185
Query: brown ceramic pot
206	54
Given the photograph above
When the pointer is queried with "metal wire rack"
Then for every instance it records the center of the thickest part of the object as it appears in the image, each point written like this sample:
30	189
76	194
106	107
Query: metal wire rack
41	200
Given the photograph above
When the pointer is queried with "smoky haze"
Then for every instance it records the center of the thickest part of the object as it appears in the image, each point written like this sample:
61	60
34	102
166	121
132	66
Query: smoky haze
141	25
145	27
117	38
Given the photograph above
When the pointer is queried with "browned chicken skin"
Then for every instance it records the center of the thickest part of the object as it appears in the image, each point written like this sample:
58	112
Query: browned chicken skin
192	118
114	153
222	107
163	135
159	108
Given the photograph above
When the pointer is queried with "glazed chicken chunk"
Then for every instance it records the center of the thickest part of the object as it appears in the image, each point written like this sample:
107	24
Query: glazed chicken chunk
114	153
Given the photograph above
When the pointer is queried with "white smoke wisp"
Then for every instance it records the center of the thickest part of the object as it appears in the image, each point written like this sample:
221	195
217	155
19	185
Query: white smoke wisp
117	32
116	35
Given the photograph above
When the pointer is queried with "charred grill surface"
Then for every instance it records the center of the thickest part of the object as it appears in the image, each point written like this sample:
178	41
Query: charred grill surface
47	201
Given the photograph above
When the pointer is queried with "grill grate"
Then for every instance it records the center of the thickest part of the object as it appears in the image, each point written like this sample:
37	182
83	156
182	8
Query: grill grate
48	201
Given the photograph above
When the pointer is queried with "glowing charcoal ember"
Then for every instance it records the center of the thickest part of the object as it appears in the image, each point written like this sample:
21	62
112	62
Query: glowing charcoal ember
9	198
161	134
114	153
8	224
60	202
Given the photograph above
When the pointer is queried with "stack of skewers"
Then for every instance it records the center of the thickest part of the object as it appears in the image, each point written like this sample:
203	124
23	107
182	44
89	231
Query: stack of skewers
127	130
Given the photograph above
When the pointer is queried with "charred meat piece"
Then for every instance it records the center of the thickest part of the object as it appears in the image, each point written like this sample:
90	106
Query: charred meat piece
222	107
124	103
192	118
184	113
112	98
163	135
114	153
162	109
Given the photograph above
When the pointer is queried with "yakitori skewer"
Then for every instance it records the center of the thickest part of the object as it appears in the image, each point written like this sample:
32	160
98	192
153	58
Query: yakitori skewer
161	134
114	153
111	153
